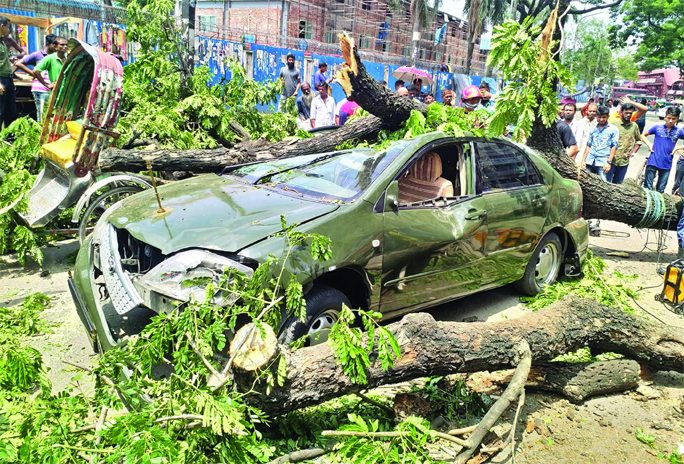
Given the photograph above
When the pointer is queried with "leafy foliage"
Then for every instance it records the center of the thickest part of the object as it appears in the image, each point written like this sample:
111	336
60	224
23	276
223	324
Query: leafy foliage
655	27
453	399
156	106
533	73
21	366
191	415
18	166
612	292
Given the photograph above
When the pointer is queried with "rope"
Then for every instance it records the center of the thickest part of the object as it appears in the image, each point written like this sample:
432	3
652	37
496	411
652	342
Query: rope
654	213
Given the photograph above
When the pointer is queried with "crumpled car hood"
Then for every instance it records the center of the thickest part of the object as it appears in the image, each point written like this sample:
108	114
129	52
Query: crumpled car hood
211	212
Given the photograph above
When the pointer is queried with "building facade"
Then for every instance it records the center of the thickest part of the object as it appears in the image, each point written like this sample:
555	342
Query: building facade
663	83
381	34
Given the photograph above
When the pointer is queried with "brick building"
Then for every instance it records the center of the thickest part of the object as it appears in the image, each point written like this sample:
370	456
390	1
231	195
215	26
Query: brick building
381	34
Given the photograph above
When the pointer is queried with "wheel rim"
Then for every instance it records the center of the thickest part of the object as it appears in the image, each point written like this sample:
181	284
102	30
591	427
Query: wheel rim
100	204
320	327
548	263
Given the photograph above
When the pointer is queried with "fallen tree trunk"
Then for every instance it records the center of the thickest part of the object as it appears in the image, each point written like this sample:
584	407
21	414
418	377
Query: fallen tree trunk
216	159
626	203
431	348
575	381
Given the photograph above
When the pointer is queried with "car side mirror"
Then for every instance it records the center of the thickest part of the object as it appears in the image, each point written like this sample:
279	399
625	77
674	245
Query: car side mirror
392	196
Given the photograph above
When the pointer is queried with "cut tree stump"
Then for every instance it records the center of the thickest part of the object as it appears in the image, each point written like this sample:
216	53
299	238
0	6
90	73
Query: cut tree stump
430	348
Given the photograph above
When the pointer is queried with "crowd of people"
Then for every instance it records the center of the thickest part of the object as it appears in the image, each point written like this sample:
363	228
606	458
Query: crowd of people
610	133
43	66
317	108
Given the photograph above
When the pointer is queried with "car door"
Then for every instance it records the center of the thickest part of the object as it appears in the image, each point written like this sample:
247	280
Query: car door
517	202
433	251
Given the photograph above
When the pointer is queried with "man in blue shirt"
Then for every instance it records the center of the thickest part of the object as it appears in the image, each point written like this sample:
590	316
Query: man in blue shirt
319	77
660	160
602	145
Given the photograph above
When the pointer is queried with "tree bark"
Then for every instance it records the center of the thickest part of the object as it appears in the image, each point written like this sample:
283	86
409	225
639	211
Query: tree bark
575	381
214	160
430	348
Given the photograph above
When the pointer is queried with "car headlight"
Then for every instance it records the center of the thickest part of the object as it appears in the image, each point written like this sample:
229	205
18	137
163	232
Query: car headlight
189	272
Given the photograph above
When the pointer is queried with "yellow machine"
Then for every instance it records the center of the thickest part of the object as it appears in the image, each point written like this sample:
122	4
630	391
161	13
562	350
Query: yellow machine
673	287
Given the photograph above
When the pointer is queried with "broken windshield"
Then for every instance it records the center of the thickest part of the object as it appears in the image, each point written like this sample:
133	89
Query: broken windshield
339	176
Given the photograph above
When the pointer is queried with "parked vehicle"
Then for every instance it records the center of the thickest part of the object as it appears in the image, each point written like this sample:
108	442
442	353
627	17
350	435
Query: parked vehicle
420	223
660	112
79	123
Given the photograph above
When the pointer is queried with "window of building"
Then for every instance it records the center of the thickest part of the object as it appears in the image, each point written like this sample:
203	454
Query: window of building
406	51
438	56
385	46
454	30
329	34
422	54
366	5
305	29
364	41
207	23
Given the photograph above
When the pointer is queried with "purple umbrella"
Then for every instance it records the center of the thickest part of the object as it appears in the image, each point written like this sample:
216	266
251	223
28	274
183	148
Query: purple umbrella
407	74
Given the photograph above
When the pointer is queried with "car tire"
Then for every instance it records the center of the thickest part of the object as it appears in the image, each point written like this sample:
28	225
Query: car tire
323	305
662	118
543	267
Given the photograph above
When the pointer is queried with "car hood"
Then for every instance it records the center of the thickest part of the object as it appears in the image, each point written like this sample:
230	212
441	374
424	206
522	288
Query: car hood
211	212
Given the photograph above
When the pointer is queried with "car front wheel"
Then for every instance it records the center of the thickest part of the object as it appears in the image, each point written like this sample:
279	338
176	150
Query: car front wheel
323	306
543	267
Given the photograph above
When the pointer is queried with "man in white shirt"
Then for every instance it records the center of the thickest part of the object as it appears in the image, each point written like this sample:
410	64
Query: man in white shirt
586	125
322	108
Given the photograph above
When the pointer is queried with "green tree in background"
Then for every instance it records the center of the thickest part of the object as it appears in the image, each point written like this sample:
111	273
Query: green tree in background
590	56
657	28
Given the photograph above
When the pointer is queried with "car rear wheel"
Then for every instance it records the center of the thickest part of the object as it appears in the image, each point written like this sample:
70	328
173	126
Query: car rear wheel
543	267
323	306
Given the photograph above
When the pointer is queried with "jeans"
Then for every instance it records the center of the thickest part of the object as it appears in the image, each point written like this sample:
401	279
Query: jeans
679	175
616	174
597	170
663	175
8	102
41	99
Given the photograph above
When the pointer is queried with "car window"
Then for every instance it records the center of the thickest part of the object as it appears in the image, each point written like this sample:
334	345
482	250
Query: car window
501	166
329	177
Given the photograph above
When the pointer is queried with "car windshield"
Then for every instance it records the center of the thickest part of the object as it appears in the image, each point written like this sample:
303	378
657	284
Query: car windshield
339	176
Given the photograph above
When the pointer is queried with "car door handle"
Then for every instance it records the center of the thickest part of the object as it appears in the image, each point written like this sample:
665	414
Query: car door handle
538	201
475	215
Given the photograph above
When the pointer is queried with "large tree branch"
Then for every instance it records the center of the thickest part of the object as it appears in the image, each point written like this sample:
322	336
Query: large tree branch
574	11
433	348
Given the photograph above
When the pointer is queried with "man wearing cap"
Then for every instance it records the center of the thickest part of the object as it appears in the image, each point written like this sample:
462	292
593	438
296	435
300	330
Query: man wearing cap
304	106
470	98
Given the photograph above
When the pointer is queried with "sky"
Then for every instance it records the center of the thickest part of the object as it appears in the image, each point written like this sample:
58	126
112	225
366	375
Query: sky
453	7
